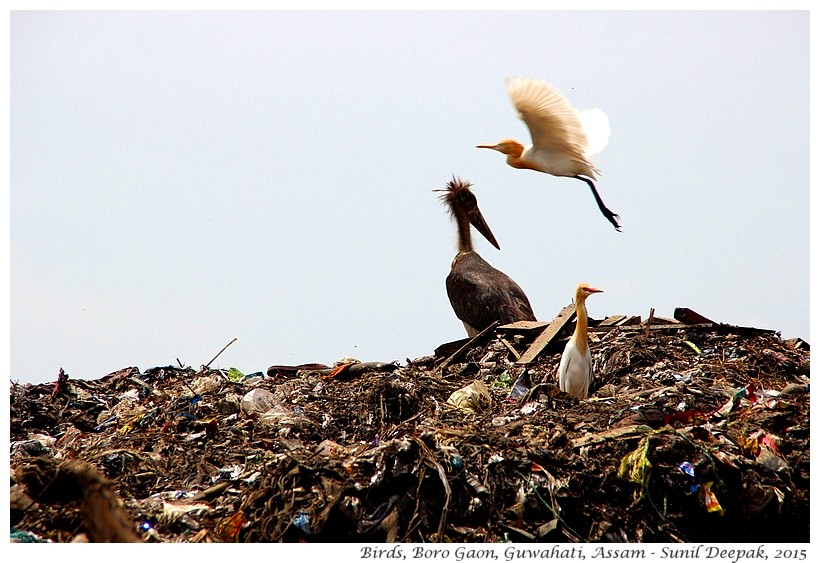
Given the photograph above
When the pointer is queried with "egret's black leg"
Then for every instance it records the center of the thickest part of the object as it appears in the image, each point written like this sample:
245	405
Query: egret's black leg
611	217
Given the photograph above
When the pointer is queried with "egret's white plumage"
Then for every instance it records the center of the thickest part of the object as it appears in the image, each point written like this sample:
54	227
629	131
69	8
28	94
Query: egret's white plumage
563	139
575	369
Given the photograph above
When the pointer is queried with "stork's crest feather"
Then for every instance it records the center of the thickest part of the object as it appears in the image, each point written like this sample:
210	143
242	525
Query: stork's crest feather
463	207
455	189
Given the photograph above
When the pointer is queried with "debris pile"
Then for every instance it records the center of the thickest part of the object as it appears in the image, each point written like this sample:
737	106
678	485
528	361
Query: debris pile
694	432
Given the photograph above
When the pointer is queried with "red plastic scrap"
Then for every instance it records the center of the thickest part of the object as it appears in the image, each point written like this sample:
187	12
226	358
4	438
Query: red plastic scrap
338	370
749	393
693	417
767	441
769	455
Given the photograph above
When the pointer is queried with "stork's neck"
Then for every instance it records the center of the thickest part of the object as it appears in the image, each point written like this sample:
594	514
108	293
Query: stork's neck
580	335
465	241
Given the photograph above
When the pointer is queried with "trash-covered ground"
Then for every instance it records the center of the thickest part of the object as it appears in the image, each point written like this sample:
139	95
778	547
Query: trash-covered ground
694	432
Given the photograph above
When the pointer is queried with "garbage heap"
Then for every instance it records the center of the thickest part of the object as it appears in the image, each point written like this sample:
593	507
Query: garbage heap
694	432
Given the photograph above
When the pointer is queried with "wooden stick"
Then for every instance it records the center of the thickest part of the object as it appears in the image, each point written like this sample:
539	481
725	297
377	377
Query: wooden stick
558	323
220	352
468	345
510	347
648	322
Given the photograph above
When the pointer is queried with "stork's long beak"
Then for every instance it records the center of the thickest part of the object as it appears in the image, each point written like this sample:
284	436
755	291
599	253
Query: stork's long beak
494	147
477	221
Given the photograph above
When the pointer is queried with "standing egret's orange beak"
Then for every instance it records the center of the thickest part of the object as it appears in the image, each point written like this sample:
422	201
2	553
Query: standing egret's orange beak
593	290
477	221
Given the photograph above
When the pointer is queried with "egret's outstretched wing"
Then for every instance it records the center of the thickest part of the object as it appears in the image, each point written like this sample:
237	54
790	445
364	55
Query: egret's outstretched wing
553	123
596	126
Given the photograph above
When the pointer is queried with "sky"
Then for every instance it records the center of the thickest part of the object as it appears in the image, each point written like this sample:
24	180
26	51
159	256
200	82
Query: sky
181	179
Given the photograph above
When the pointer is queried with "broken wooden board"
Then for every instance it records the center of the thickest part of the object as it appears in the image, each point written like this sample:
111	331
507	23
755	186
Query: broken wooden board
612	320
619	320
558	323
444	350
690	317
523	326
665	321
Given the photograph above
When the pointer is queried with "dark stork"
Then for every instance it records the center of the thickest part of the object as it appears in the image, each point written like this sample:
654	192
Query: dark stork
479	294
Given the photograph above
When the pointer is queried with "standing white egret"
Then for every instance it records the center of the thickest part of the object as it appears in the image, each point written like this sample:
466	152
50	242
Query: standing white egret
575	369
563	139
479	293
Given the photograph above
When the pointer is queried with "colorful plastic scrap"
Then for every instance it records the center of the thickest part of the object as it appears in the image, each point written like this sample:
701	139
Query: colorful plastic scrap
689	469
710	500
229	528
636	467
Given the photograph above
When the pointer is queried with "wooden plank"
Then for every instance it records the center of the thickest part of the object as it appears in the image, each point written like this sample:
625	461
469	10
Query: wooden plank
566	315
444	350
648	323
613	320
665	321
523	326
690	317
630	321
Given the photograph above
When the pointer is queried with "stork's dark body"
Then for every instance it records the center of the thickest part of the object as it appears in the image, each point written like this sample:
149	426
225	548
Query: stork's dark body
481	294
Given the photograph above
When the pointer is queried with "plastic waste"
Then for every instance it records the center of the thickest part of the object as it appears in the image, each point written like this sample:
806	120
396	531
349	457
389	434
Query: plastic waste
520	387
302	522
710	500
636	467
258	401
471	398
689	469
235	376
21	536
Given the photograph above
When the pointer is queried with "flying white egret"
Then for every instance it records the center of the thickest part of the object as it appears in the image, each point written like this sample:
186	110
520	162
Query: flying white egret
563	139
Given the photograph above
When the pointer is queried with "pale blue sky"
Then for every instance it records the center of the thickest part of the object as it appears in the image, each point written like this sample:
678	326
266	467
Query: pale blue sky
179	179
